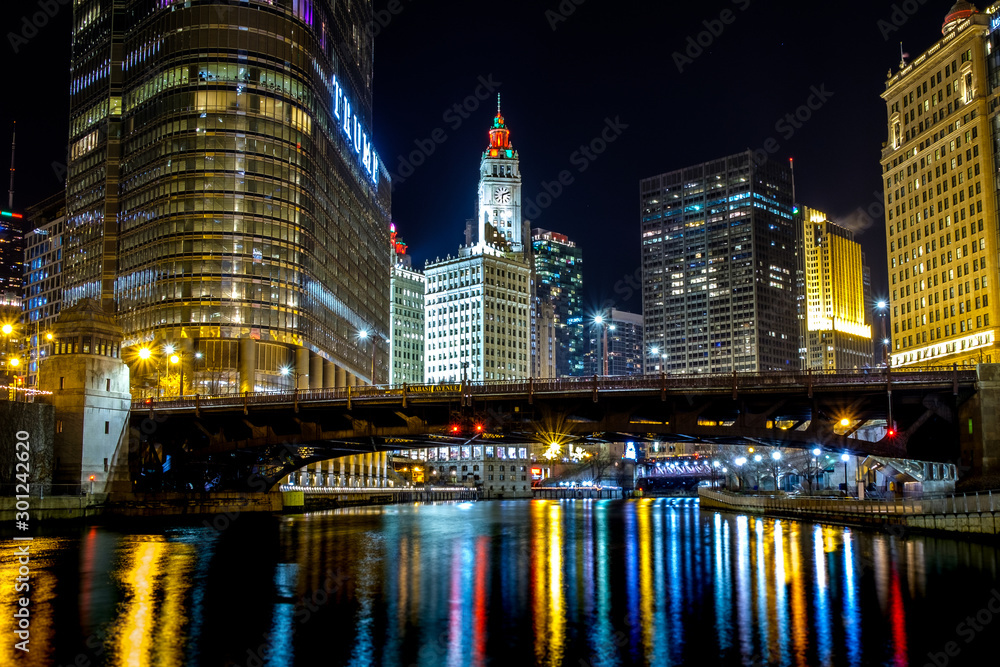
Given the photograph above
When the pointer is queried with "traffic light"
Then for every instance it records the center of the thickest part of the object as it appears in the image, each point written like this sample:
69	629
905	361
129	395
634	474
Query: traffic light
892	433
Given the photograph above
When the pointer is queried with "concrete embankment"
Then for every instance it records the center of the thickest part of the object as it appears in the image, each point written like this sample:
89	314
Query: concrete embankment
137	505
977	514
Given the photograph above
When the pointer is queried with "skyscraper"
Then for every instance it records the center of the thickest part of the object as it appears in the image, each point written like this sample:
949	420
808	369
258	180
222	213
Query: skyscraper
559	282
479	303
224	193
837	335
42	277
719	267
940	196
406	316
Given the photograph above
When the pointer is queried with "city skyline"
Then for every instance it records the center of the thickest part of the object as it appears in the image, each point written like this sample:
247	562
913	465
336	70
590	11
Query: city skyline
409	109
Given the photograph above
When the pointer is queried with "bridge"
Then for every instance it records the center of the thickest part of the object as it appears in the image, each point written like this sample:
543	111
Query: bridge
237	438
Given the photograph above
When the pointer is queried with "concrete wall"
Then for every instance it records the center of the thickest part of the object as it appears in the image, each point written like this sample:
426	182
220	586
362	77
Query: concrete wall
979	514
35	420
91	398
979	423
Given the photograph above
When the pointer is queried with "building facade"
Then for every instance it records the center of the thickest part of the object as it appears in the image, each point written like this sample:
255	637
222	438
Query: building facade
544	342
11	261
224	194
42	277
938	166
559	281
719	267
625	345
499	471
837	332
478	304
406	315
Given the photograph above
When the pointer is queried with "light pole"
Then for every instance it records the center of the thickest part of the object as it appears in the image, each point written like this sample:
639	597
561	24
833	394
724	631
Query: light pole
882	308
845	458
815	452
602	322
364	334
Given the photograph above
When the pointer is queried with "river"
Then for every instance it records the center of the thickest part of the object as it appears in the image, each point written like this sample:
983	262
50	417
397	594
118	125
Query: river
574	583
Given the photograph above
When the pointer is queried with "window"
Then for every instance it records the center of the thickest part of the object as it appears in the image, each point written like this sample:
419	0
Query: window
107	427
62	383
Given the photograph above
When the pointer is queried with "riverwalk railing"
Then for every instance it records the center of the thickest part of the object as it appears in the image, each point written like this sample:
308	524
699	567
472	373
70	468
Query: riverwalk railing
956	504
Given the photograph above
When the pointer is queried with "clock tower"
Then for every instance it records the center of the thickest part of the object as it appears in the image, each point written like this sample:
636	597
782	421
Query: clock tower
500	221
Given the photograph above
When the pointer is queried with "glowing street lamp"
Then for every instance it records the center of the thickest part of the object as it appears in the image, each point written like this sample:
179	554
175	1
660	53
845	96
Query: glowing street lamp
600	321
365	334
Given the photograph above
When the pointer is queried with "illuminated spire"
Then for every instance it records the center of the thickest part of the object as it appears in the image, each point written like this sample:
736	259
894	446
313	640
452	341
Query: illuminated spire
499	135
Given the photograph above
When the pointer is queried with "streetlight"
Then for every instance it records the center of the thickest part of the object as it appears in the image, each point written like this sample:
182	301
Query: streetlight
883	308
739	475
364	334
600	321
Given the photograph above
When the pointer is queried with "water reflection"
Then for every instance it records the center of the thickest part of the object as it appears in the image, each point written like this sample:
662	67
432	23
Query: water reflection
603	583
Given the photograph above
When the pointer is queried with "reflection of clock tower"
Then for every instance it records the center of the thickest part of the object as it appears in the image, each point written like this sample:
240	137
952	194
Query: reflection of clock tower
500	190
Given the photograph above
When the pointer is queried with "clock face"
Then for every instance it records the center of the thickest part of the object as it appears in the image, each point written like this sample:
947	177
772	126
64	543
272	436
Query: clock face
501	195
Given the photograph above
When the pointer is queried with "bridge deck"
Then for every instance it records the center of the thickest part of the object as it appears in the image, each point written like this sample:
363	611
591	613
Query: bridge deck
741	383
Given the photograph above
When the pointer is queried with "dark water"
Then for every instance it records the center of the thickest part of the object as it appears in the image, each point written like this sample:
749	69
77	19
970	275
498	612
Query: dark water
575	583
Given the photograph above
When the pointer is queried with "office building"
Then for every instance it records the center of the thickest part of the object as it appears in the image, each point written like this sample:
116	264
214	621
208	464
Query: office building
625	345
544	341
938	167
11	263
406	316
837	334
479	303
224	193
719	267
559	281
42	277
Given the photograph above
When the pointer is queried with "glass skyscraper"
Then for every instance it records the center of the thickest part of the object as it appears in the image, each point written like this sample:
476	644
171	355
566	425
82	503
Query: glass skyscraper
224	194
559	282
719	267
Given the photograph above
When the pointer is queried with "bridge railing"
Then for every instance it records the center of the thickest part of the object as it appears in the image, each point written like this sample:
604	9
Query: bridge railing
984	501
699	382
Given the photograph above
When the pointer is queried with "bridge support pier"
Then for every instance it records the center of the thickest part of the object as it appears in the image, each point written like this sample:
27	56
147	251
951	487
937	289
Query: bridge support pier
979	423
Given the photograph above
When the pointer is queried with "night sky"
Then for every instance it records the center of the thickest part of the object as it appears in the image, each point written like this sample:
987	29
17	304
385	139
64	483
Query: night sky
565	69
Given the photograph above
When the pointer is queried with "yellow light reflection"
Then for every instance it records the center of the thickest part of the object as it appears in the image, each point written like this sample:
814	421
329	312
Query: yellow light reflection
646	576
155	583
557	612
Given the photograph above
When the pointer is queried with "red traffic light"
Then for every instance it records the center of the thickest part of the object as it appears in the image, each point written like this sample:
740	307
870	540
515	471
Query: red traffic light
455	429
479	428
892	433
